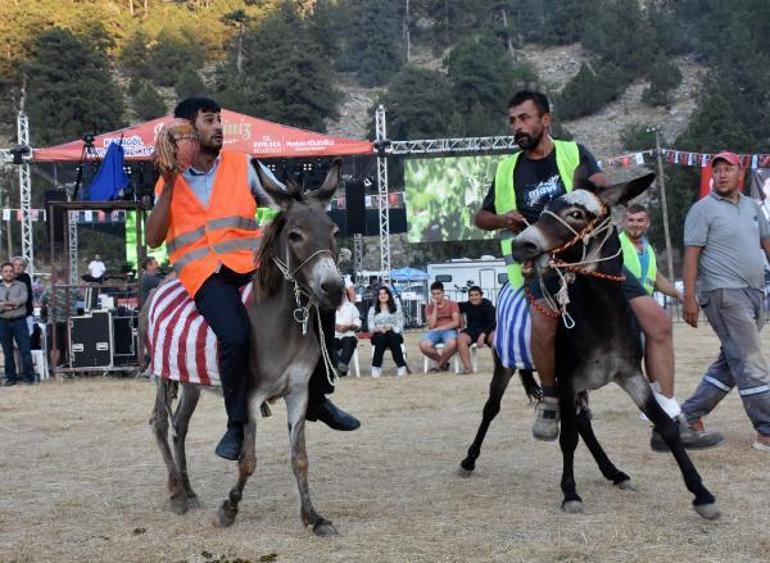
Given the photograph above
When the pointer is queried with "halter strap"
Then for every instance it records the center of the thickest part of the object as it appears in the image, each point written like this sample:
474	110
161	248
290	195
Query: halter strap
301	313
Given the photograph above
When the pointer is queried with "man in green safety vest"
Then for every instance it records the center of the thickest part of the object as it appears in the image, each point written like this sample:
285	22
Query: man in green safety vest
639	257
524	184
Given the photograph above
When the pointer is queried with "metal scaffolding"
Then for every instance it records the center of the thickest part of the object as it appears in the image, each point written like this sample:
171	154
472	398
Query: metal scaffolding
450	146
25	193
382	192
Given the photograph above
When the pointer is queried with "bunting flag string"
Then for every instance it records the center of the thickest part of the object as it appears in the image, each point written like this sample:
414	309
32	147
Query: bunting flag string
626	160
702	160
681	158
16	214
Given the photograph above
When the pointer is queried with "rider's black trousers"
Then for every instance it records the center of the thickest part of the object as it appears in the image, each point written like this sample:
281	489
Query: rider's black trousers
219	301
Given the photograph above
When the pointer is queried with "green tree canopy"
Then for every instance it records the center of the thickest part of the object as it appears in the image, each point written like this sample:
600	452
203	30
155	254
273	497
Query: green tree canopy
372	43
70	88
282	78
420	104
148	103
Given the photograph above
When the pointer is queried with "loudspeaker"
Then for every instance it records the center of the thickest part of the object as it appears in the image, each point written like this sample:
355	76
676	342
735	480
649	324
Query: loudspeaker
355	208
59	216
91	340
396	219
124	338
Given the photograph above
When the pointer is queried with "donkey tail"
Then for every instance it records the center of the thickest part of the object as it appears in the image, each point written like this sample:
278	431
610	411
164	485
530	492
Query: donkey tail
531	386
528	381
161	413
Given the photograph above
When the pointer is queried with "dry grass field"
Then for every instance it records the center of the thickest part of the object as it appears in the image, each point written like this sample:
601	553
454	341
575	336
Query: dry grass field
81	479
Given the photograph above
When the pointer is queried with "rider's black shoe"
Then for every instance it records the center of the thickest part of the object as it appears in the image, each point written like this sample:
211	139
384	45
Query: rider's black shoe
230	445
331	416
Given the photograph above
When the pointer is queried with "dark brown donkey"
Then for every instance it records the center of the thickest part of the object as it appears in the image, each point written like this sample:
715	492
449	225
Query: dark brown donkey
297	274
598	342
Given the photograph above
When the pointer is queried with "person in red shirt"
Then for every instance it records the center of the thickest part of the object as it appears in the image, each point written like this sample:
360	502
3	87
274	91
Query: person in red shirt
443	321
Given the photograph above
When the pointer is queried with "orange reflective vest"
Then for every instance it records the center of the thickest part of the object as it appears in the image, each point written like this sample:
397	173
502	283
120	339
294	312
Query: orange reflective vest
200	238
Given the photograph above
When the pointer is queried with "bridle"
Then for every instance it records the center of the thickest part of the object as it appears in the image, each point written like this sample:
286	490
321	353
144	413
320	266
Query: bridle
301	313
557	304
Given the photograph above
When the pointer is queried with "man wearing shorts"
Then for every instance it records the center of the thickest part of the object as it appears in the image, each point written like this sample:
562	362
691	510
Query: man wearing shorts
443	321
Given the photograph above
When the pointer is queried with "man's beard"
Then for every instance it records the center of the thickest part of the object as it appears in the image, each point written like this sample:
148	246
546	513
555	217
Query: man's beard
526	141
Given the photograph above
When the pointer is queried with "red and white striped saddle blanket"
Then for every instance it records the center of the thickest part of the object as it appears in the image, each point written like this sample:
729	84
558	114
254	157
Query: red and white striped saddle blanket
182	345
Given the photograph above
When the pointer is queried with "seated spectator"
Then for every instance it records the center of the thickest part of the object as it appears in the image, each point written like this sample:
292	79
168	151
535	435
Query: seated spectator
386	324
443	321
13	325
479	325
347	321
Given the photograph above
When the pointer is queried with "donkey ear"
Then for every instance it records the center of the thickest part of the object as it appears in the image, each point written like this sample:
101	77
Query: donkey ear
621	193
281	195
331	183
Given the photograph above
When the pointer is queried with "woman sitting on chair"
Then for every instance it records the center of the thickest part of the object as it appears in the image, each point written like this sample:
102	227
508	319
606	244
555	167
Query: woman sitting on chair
386	323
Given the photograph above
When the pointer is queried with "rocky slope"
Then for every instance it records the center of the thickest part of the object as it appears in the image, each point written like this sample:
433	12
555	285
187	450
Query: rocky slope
556	66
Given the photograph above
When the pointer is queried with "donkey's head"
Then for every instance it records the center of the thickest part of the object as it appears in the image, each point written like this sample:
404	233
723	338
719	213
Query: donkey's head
572	225
301	239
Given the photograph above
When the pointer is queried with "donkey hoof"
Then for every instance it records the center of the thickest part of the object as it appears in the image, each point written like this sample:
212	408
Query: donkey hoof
226	515
324	529
193	502
572	507
708	511
178	505
463	472
625	485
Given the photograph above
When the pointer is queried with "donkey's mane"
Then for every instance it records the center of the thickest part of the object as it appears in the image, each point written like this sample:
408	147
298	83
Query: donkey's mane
268	278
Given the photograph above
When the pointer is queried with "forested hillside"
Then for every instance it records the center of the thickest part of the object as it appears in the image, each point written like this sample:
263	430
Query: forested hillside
441	67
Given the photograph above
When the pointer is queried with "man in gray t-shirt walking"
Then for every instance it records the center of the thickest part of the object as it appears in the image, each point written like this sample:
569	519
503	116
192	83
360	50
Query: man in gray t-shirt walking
724	236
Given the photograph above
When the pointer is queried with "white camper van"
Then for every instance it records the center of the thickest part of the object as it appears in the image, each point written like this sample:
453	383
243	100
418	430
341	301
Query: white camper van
458	275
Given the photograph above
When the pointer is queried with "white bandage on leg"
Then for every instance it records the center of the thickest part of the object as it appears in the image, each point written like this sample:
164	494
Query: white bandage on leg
670	406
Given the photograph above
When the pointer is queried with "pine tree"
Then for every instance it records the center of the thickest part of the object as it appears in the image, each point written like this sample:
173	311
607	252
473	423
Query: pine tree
189	83
419	103
373	47
70	88
148	103
172	53
282	79
134	58
483	78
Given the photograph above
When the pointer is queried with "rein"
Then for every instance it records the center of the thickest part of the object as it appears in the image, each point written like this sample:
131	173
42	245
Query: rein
557	304
301	313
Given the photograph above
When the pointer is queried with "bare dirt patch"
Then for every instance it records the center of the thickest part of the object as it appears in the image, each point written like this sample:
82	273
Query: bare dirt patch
83	480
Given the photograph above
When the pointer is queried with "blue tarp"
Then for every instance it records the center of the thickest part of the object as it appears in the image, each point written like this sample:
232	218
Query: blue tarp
408	274
111	177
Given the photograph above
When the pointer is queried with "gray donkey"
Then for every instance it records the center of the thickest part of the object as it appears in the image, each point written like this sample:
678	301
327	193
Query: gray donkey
297	274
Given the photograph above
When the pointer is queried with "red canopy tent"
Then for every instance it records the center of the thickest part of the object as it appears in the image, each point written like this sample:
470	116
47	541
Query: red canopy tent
242	133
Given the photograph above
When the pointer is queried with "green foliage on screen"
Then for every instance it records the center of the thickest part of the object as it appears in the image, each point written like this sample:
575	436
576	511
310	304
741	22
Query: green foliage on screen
444	194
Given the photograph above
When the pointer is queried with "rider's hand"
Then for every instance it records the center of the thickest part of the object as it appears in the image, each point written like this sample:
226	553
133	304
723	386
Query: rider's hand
690	311
480	341
514	221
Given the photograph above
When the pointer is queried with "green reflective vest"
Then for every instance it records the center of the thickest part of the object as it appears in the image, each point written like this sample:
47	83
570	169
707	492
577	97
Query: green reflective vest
634	265
567	161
